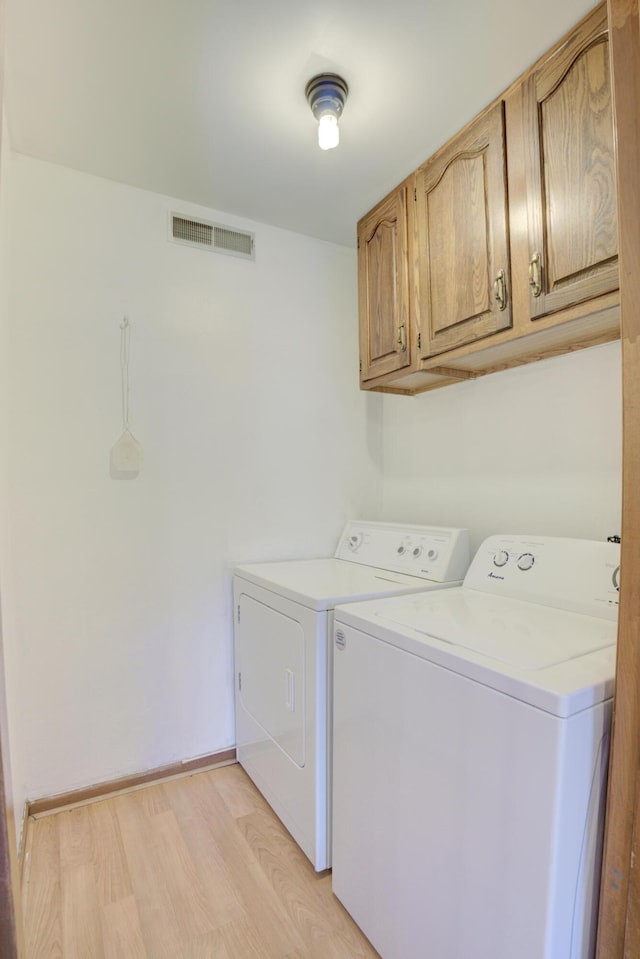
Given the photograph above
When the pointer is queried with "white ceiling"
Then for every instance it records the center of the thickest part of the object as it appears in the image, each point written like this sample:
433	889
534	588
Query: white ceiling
204	99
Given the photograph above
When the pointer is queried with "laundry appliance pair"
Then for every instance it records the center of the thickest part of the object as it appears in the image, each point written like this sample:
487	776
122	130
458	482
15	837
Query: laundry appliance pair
445	749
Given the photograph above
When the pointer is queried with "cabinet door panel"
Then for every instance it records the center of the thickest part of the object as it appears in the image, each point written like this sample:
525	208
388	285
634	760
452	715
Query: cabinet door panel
463	240
457	292
383	287
382	268
573	221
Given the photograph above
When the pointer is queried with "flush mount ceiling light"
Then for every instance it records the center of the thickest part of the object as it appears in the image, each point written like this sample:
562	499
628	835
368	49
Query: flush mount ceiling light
326	95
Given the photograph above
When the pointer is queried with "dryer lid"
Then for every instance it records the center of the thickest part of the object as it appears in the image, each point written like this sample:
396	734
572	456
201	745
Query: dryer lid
321	584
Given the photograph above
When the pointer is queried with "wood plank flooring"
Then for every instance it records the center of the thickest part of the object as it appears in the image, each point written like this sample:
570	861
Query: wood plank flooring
193	868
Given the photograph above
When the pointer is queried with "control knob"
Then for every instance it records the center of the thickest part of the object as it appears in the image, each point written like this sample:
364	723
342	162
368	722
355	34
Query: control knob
526	561
501	558
417	551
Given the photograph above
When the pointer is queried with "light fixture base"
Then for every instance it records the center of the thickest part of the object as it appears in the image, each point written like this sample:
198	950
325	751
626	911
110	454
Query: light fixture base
326	93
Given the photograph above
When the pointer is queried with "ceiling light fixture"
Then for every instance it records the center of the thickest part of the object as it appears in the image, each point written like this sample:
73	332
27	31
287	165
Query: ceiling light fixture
326	95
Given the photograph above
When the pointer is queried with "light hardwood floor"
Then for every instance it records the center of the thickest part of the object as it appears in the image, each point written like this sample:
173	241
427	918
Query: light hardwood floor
193	868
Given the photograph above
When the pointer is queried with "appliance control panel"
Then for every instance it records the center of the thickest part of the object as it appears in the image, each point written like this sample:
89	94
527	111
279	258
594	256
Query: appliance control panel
573	574
436	553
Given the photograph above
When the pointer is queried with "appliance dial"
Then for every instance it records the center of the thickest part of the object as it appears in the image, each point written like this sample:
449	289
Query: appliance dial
354	541
526	561
401	549
501	558
417	551
432	553
615	579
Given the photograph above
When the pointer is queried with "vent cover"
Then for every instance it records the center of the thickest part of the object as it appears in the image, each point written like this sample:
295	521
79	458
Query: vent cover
211	236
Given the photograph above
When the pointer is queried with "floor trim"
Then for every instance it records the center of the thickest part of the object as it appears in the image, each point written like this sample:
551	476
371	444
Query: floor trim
78	797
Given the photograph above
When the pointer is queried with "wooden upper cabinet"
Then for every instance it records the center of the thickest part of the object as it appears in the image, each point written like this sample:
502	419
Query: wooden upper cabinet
463	241
512	221
570	172
383	287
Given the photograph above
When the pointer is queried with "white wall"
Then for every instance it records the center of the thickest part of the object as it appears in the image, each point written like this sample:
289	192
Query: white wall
257	444
534	449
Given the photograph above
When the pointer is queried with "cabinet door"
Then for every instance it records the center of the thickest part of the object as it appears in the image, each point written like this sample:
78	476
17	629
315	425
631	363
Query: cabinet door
383	287
570	173
462	214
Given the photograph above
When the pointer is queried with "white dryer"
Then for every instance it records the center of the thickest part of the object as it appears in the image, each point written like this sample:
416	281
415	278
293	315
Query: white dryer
283	615
471	733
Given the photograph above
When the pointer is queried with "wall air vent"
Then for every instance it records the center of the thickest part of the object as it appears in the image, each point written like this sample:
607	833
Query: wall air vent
211	236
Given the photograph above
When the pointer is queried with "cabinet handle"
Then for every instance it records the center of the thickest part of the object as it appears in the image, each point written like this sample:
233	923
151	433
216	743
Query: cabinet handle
500	290
535	274
401	338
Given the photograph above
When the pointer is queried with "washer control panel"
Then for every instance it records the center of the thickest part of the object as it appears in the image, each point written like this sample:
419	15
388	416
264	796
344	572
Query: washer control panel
525	561
431	552
573	574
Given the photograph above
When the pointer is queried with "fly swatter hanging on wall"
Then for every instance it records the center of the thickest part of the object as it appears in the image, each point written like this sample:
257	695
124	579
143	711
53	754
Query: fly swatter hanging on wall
126	452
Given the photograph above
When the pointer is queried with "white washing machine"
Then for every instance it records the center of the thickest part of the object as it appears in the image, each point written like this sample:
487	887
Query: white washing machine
471	731
283	626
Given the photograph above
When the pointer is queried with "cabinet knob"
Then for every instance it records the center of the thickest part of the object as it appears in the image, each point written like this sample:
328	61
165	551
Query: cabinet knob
535	274
500	290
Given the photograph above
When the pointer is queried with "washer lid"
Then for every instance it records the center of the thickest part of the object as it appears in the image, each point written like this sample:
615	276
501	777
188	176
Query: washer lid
558	661
321	584
524	635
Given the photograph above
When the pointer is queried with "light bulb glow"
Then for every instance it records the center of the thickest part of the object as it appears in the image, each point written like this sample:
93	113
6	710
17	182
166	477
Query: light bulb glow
328	132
